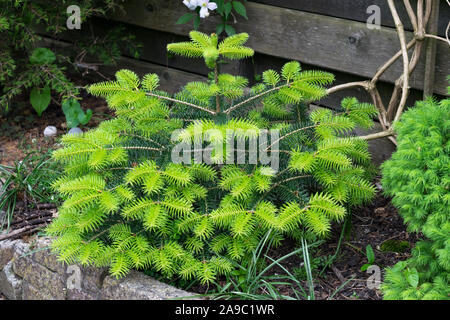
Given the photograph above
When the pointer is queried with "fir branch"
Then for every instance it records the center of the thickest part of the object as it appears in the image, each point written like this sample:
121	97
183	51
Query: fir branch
180	102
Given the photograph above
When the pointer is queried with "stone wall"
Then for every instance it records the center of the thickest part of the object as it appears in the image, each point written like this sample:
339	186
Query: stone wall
28	271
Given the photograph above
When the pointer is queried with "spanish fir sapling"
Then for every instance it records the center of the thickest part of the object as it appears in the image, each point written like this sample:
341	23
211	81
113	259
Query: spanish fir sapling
129	206
418	178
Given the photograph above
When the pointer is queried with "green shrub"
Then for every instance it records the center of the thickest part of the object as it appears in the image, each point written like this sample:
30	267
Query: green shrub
27	66
418	179
129	206
29	180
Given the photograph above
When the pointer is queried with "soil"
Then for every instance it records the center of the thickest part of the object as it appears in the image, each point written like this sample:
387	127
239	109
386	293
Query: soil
22	131
372	225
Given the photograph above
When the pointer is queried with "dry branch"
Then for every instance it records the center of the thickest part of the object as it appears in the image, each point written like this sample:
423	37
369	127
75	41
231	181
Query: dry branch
419	20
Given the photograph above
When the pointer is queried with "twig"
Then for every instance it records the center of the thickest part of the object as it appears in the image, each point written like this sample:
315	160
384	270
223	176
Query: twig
411	14
437	38
47	214
229	110
19	232
378	135
287	135
364	84
34	222
386	66
338	273
401	89
402	38
181	102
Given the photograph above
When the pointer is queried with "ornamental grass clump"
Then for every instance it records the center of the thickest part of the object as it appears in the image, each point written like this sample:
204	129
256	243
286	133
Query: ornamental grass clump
139	194
418	179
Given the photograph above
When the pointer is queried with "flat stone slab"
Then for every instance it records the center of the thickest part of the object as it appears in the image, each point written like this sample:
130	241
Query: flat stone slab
10	283
29	271
138	286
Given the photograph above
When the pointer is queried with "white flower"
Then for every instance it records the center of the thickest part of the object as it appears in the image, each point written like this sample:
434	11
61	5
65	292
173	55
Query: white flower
191	4
205	7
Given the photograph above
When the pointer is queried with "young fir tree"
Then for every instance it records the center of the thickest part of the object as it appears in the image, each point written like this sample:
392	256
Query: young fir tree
129	206
418	179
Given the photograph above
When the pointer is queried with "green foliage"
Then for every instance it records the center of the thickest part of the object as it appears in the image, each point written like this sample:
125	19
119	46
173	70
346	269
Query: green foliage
28	180
74	114
42	56
129	206
418	179
209	48
40	99
226	10
398	246
370	258
251	281
27	68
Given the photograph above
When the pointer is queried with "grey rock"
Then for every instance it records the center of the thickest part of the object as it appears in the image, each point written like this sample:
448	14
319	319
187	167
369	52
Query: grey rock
81	295
75	131
41	254
10	284
92	278
7	249
2	218
138	286
2	213
49	283
50	131
31	272
29	292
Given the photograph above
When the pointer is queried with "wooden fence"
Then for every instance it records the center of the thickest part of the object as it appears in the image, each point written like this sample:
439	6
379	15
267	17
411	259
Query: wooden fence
328	34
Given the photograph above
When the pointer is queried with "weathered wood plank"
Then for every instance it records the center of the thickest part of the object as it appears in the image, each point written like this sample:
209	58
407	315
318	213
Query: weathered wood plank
357	10
326	42
171	80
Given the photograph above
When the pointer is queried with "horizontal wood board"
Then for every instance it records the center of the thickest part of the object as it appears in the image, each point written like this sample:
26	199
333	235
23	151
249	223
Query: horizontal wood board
327	42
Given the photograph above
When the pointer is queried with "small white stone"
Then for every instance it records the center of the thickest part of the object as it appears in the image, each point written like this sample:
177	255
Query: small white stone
50	131
75	131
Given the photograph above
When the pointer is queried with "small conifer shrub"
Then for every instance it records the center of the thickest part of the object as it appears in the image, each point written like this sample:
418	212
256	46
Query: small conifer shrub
418	179
128	205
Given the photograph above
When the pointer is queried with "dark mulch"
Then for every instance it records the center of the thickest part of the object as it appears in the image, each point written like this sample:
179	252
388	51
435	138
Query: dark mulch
343	280
371	225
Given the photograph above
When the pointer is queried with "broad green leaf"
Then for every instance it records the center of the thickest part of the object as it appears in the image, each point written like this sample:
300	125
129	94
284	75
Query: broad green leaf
220	6
412	276
220	28
240	8
230	30
40	99
185	18
365	267
197	22
84	118
227	9
74	114
370	254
